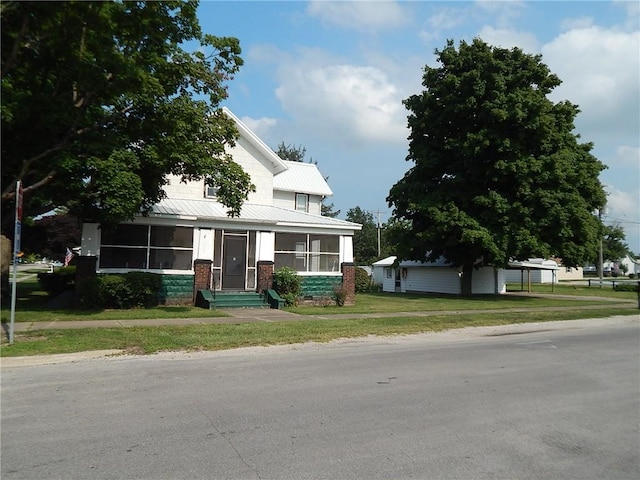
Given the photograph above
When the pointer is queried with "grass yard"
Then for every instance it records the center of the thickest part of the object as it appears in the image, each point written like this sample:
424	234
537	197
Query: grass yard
400	302
149	340
32	307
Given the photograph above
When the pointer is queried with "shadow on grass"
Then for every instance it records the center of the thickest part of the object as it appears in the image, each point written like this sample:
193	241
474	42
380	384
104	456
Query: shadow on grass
33	305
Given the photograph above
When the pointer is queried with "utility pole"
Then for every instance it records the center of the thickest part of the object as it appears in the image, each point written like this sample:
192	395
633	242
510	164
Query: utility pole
378	226
600	259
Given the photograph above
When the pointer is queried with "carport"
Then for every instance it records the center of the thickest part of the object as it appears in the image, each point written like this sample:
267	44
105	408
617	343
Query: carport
528	266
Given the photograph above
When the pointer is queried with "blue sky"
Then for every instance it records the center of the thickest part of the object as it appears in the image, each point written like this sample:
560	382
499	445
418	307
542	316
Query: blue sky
331	76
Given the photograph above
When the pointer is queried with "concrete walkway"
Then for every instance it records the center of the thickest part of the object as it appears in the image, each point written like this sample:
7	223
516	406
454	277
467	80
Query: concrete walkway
249	315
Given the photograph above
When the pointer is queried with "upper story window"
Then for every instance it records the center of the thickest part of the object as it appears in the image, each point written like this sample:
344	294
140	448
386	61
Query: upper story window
210	192
302	202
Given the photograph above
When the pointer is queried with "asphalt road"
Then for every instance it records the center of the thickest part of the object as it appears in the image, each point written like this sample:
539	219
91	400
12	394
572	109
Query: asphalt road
540	401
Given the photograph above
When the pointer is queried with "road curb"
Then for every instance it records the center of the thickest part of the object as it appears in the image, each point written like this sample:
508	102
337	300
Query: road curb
9	362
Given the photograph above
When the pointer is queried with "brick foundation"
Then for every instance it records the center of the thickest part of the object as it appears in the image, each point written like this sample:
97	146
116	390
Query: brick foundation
265	276
202	277
349	282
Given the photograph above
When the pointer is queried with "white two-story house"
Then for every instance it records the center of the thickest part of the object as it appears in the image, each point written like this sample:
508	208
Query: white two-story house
188	236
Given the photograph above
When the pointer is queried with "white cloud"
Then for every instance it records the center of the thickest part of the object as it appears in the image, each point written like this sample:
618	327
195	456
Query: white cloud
444	19
600	70
508	38
353	104
576	23
260	126
360	15
623	208
502	13
633	12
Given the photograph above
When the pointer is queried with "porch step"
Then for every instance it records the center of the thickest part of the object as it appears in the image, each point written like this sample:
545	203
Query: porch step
238	300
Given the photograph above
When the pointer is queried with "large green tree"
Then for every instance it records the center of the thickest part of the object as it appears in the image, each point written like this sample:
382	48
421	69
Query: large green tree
614	246
498	171
101	101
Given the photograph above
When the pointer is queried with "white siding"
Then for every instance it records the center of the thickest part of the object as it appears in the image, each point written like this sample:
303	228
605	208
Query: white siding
488	281
447	280
431	280
288	200
243	154
315	205
284	199
388	279
189	190
258	168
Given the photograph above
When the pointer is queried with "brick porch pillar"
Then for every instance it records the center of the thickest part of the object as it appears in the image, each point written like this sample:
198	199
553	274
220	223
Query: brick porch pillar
349	281
202	277
265	276
85	271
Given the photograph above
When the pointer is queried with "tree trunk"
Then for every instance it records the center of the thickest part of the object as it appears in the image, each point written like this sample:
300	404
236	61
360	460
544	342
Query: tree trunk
467	274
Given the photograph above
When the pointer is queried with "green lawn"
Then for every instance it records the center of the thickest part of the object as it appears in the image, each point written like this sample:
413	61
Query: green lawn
147	340
399	302
31	306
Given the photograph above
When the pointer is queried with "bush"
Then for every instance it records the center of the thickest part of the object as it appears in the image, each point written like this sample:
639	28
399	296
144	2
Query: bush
287	284
129	290
340	295
363	281
114	292
144	288
62	279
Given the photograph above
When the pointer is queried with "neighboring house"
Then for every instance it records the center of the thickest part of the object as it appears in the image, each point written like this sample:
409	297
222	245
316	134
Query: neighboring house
381	269
565	273
628	263
439	277
569	273
632	265
189	239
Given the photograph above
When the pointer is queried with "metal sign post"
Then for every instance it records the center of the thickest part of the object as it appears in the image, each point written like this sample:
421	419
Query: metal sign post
16	252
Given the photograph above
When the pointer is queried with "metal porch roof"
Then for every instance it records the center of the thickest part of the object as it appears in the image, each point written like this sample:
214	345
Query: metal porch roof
250	213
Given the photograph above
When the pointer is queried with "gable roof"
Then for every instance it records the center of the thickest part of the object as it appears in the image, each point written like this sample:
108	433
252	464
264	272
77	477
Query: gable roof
276	162
301	177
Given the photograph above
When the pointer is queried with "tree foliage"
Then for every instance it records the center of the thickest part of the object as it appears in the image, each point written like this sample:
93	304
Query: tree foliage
614	247
101	102
292	153
498	172
365	241
51	235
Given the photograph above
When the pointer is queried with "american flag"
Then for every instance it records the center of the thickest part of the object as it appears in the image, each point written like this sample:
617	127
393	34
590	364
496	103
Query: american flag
67	257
